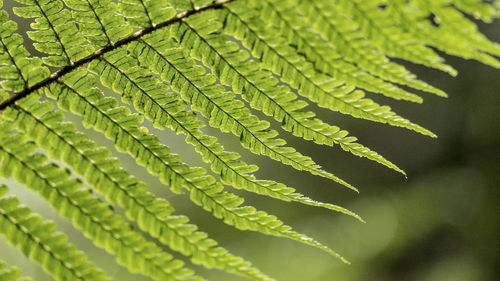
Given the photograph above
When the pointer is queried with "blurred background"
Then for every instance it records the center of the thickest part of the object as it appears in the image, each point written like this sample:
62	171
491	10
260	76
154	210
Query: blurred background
442	223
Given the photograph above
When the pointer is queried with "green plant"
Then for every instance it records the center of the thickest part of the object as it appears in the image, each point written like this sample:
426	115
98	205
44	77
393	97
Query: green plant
181	65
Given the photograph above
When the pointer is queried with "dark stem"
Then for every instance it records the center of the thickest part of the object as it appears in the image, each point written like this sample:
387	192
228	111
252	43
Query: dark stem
137	35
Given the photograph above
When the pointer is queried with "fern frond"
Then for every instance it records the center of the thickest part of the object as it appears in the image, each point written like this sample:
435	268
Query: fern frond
225	205
220	107
166	109
277	12
323	56
56	34
152	214
172	59
205	190
12	273
233	68
454	22
323	90
88	213
350	43
378	26
38	240
17	69
413	19
99	21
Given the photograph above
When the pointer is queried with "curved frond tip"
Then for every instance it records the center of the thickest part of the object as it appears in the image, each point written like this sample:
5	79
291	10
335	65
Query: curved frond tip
183	66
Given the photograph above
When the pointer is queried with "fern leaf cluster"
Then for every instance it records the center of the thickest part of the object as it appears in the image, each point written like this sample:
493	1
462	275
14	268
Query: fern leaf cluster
183	65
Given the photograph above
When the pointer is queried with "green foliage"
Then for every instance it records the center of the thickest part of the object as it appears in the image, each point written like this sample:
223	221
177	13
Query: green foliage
38	239
10	274
183	65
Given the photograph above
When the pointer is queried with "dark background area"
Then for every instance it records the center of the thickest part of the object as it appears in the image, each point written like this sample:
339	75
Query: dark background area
440	224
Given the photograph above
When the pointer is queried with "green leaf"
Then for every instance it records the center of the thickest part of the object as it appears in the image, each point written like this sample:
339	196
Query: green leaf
38	240
89	214
56	33
17	70
184	65
98	21
220	107
257	87
325	91
152	214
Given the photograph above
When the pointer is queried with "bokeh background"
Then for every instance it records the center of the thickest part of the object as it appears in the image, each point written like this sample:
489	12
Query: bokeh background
442	223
